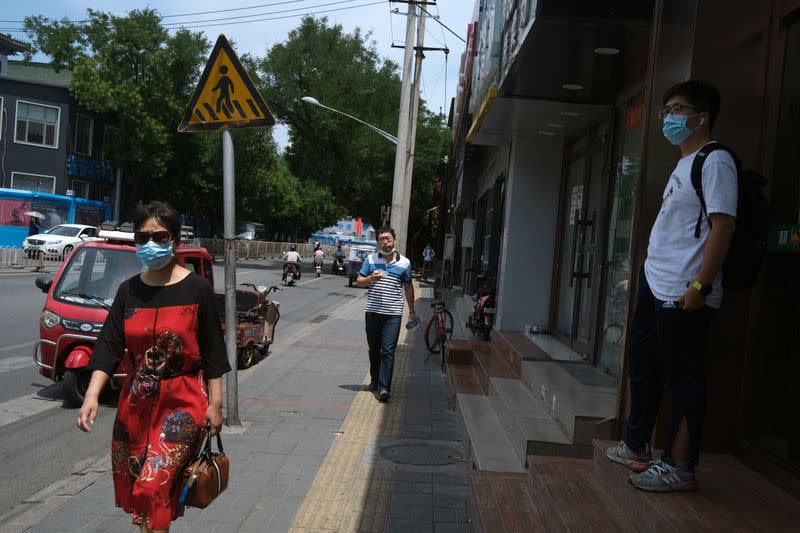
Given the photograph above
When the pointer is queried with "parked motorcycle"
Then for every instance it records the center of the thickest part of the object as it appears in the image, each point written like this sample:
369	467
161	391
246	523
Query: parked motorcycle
481	319
256	317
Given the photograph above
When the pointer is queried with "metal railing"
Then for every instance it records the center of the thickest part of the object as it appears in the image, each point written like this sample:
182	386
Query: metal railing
265	249
17	258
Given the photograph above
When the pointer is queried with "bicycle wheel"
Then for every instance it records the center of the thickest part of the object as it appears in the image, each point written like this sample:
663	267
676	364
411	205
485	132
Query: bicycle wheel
447	319
431	335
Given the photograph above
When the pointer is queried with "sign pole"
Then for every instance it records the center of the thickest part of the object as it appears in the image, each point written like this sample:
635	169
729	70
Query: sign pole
229	232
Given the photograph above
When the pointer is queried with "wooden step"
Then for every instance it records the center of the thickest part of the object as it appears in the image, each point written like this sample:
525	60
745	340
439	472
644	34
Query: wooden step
503	504
488	446
563	489
731	497
459	351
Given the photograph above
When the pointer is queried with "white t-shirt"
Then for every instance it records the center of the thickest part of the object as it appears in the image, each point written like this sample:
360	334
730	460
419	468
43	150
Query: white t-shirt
674	254
292	257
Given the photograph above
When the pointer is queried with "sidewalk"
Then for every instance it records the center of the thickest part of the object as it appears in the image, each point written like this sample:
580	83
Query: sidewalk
318	453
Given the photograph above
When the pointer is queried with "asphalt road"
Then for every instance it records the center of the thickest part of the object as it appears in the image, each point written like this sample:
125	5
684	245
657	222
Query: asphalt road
38	438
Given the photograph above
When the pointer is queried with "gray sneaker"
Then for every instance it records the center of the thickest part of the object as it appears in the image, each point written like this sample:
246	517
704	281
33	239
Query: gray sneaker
383	395
663	477
625	456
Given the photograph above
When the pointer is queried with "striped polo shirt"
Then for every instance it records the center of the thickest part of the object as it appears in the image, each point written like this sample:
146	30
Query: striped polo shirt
386	296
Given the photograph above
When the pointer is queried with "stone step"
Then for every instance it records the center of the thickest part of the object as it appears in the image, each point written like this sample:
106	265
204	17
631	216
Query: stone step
529	427
582	400
488	445
731	497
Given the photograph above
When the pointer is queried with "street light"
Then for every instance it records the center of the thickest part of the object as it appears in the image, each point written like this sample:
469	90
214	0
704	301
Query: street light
388	136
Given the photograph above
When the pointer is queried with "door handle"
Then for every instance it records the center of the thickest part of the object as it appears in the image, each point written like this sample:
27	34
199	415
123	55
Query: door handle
588	274
573	273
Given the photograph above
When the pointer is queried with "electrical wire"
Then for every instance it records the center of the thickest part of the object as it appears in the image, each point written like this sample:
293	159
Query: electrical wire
190	25
183	23
199	24
228	10
443	24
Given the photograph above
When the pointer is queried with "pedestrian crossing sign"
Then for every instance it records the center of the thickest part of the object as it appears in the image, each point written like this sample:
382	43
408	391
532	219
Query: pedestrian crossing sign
225	96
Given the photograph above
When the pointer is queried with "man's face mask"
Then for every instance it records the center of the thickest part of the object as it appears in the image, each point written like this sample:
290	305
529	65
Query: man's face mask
675	129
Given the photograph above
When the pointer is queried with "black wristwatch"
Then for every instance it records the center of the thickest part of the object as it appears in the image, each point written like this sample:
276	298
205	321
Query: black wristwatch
705	290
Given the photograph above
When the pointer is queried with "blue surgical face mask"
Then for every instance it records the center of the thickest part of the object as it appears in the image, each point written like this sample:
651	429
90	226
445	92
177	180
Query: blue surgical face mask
154	256
675	129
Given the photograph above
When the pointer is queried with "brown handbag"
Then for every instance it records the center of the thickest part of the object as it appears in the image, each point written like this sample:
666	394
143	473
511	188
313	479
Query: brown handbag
206	476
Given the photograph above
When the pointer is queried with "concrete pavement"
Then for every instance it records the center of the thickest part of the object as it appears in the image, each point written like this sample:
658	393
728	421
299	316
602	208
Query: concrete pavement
317	452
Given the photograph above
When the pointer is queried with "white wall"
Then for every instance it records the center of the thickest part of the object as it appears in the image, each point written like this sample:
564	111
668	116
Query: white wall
531	212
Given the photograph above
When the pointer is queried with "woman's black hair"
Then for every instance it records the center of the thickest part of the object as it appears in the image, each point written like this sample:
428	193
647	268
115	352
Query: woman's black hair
164	214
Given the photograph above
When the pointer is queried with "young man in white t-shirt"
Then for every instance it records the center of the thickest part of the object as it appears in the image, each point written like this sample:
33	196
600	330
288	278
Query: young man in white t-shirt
680	288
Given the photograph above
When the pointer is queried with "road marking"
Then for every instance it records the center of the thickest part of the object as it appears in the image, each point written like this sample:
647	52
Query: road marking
315	279
25	406
16	346
15	363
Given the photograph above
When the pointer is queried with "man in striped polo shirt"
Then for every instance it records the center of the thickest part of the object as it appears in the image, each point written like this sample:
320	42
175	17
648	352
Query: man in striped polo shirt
388	276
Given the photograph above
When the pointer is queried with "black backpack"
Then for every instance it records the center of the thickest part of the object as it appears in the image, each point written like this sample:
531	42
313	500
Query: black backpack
749	244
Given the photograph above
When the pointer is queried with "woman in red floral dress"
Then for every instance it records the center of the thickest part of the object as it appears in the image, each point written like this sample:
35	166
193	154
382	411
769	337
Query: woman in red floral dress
167	320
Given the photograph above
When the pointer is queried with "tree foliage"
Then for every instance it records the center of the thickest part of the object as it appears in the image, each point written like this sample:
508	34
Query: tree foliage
129	71
344	71
135	76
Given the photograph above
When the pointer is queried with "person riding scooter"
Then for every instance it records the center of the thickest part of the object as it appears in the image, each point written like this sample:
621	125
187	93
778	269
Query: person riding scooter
338	260
292	257
319	255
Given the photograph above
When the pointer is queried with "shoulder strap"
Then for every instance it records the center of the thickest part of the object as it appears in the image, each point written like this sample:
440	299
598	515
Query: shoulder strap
697	178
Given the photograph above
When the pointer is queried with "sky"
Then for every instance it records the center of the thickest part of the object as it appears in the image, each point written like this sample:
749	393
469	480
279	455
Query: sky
439	78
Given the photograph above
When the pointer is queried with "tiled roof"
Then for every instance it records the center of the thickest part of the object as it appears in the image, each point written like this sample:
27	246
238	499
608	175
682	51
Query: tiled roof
10	46
38	73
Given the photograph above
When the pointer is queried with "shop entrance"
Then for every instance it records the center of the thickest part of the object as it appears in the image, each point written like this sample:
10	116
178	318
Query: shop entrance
580	242
774	364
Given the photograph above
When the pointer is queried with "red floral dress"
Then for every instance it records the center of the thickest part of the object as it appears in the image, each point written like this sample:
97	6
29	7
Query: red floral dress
174	339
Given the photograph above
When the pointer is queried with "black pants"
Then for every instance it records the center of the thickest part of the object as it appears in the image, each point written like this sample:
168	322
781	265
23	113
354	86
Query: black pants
667	351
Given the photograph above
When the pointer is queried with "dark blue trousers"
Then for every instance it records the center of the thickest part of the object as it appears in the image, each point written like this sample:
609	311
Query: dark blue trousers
382	334
667	352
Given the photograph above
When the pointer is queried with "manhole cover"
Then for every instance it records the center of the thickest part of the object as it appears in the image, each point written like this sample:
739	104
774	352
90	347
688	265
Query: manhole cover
420	454
320	318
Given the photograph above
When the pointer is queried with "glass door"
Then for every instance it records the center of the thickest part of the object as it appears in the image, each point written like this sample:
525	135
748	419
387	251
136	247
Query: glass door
580	246
617	271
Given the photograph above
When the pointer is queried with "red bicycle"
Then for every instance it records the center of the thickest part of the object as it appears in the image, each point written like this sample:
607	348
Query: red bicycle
436	337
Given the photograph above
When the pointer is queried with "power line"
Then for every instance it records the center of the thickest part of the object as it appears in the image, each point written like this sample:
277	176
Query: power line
198	24
190	25
228	10
271	4
443	24
258	14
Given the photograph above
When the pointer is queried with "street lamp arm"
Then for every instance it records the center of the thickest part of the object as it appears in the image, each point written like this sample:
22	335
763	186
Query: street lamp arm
385	135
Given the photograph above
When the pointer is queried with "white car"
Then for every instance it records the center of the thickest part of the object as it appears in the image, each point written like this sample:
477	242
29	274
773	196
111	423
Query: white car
60	240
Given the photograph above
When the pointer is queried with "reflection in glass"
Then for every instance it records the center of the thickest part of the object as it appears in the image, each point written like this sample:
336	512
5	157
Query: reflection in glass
620	233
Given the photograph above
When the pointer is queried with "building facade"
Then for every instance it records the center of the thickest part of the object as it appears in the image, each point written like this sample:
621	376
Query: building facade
52	150
556	174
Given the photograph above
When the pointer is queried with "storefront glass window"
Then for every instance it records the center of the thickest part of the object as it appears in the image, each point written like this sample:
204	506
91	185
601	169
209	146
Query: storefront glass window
620	232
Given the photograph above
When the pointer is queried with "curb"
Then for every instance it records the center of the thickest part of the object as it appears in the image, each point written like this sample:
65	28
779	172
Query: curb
48	500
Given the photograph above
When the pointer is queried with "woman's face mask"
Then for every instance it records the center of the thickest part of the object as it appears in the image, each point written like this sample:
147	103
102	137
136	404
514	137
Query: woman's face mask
154	256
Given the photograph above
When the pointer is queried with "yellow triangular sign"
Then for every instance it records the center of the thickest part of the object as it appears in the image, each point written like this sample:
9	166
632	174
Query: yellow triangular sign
225	96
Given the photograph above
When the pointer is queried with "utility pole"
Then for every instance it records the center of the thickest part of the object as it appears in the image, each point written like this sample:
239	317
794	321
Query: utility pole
229	233
408	173
399	202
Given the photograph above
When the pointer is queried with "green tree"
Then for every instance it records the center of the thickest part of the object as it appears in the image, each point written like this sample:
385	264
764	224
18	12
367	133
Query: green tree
135	76
344	71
